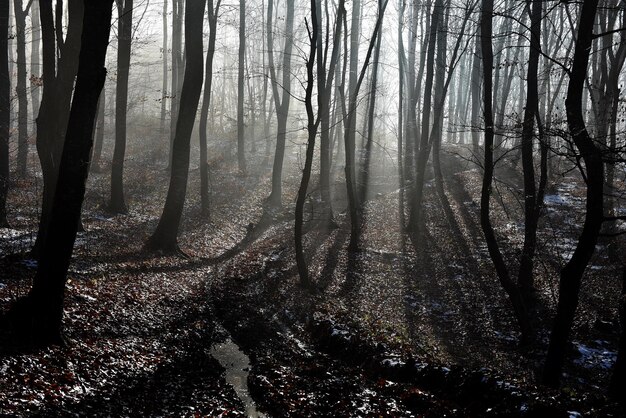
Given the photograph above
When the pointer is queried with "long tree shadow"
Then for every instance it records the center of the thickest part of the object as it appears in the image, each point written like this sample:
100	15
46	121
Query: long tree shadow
332	259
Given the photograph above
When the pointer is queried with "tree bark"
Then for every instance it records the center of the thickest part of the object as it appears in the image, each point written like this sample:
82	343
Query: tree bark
281	104
204	112
38	317
312	125
571	274
20	88
164	238
58	82
124	40
5	111
164	95
349	139
241	149
35	59
421	156
532	206
99	140
519	309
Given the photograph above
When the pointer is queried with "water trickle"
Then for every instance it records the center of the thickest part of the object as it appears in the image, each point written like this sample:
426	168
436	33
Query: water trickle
237	365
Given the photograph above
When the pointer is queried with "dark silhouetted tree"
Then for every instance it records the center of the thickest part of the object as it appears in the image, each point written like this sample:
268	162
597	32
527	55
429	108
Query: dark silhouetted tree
5	111
204	112
38	317
164	238
572	273
124	40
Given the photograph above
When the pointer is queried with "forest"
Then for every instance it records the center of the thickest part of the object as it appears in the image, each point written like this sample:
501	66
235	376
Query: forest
333	208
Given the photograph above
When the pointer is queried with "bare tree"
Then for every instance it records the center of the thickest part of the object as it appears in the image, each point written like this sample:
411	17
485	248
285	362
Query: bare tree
509	286
281	104
124	40
312	126
58	82
37	318
5	111
164	238
20	88
571	274
204	112
241	149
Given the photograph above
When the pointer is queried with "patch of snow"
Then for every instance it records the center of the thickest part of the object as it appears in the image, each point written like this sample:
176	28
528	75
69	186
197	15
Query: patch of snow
30	263
555	199
595	357
392	362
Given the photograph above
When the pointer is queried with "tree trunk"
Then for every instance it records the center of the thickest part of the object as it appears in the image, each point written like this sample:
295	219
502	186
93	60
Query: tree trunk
177	68
124	39
349	138
58	82
38	317
312	125
475	87
164	237
164	95
97	152
532	206
241	150
365	173
204	112
508	285
571	274
421	157
20	88
281	104
325	84
5	111
35	60
401	76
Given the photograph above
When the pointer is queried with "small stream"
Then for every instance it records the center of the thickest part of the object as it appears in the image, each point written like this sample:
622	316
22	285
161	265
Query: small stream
237	365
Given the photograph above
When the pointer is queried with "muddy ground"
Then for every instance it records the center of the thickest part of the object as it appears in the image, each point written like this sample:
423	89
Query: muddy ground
393	330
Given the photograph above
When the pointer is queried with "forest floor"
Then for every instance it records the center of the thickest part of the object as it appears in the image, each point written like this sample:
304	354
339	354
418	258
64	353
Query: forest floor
392	330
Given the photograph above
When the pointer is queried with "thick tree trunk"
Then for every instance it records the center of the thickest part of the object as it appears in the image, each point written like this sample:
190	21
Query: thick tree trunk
58	83
124	39
38	317
5	111
571	274
164	237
